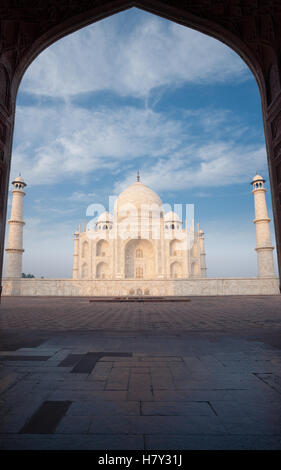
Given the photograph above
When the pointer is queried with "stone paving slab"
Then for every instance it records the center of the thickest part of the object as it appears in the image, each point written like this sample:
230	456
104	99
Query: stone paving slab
209	442
157	424
203	377
72	442
204	313
101	407
187	409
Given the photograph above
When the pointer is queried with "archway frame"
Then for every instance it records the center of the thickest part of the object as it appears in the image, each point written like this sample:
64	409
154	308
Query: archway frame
101	245
252	30
132	262
176	270
102	268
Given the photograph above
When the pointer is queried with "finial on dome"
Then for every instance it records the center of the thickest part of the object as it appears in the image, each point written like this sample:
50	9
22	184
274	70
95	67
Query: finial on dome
138	176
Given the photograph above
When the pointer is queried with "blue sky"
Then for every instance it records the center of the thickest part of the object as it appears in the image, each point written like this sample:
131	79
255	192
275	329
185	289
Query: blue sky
136	91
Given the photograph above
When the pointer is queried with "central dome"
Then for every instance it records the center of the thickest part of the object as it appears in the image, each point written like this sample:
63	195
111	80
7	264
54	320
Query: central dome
138	195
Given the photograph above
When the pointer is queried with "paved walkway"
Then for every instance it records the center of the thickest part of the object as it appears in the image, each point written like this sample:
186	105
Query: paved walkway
204	374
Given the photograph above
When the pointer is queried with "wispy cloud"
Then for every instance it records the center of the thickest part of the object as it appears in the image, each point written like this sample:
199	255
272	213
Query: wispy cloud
78	141
154	53
80	196
74	139
202	166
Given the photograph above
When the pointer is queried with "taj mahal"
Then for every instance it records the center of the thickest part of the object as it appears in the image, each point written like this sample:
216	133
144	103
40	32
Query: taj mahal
139	241
140	249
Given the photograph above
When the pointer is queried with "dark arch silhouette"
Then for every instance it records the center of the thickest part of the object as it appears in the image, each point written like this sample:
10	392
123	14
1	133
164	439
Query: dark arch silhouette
250	28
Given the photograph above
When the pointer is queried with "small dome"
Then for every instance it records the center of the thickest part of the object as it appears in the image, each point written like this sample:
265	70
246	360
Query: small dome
171	217
105	217
258	178
19	179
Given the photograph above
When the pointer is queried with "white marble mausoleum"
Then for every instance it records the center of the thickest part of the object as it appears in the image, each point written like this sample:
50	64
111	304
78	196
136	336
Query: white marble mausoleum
139	241
139	249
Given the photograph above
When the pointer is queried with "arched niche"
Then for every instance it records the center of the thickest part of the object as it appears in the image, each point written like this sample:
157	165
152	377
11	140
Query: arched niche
102	248
176	270
102	270
132	262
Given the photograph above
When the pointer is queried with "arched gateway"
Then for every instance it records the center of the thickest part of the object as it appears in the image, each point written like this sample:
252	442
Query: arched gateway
250	28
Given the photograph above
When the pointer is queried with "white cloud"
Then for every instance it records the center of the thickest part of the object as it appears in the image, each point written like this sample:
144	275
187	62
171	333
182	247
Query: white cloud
202	166
80	196
152	53
69	144
78	141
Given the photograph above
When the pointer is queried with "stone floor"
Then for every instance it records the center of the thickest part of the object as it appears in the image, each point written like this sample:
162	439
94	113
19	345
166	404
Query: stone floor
204	374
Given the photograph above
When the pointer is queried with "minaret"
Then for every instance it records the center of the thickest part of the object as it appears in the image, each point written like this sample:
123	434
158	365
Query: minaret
76	256
202	254
264	246
15	240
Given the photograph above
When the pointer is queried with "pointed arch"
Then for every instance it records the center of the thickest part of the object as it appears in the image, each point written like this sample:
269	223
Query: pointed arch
175	247
139	253
102	248
139	272
146	262
176	270
102	270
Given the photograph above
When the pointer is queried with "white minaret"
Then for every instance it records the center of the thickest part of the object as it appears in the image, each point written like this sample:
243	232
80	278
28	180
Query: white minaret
264	246
76	256
15	240
202	254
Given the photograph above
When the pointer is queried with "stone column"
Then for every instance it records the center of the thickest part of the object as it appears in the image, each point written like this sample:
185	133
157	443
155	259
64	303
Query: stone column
202	254
75	269
264	246
16	223
161	245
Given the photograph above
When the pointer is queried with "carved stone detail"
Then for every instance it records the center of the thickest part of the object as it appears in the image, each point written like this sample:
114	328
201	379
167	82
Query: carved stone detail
267	29
276	126
24	22
273	82
3	130
249	29
277	151
278	173
4	87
